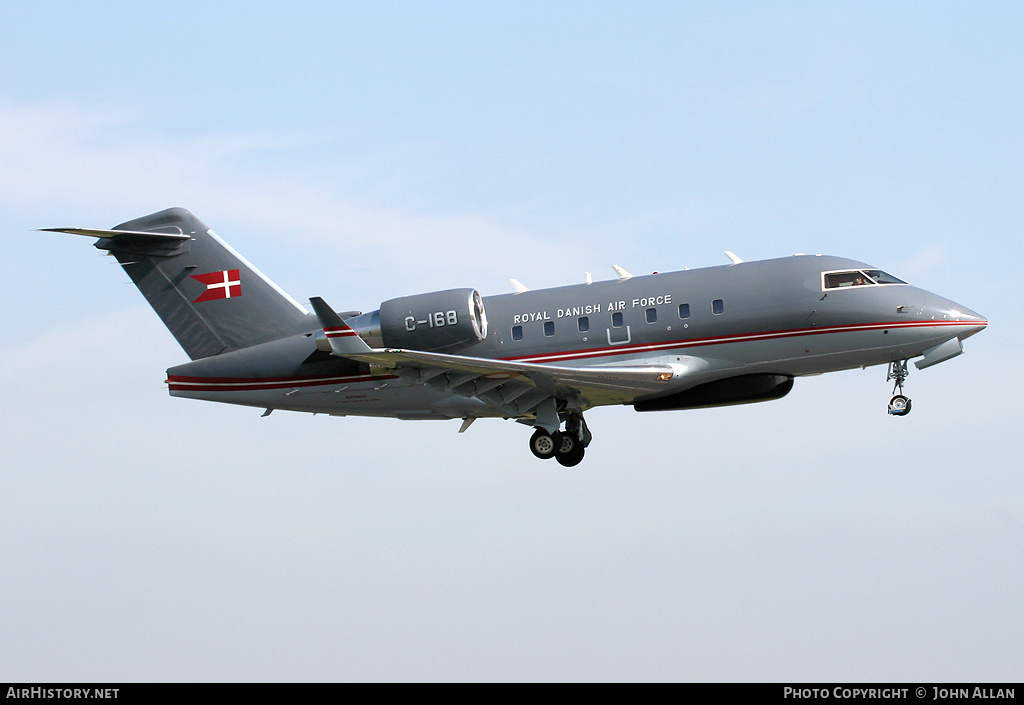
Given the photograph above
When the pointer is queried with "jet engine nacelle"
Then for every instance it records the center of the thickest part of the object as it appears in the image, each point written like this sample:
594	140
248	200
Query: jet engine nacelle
436	321
744	389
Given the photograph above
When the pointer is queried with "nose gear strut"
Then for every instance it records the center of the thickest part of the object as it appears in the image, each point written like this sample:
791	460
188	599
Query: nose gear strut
899	405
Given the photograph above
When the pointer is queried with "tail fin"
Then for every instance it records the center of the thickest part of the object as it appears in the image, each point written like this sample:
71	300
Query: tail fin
208	295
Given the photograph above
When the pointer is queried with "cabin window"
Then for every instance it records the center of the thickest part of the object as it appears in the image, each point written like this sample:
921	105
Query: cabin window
583	324
652	315
718	307
549	328
617	319
517	332
684	310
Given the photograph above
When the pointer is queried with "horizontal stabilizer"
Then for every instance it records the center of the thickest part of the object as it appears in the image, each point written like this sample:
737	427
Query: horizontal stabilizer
131	234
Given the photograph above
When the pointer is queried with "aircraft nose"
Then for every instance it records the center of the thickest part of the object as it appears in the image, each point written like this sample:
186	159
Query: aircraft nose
973	321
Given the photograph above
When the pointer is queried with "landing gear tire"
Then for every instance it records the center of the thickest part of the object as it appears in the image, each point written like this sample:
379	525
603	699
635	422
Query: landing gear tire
573	456
565	442
899	405
543	444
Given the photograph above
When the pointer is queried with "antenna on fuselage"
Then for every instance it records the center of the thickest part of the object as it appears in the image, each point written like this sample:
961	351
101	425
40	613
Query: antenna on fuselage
519	286
623	274
733	258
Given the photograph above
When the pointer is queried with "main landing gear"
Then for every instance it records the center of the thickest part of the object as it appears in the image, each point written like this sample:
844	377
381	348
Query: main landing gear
899	405
567	447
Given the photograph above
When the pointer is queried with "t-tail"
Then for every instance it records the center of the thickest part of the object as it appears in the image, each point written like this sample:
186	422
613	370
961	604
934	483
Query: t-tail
209	296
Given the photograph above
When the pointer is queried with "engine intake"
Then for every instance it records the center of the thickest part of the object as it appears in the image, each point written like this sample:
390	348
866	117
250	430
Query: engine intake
440	320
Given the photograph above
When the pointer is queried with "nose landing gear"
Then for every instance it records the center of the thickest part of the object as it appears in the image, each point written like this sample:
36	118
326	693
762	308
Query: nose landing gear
899	405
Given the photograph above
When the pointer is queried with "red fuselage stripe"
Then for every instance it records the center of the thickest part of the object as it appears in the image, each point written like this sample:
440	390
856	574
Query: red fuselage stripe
247	384
735	338
339	332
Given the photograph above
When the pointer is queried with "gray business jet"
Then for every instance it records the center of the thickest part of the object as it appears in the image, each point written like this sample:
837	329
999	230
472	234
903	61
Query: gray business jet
733	334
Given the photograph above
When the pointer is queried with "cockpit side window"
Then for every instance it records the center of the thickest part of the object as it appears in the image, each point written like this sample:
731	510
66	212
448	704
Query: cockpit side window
839	280
867	277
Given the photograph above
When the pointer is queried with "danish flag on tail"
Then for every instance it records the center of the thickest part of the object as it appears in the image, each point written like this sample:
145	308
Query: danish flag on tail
226	284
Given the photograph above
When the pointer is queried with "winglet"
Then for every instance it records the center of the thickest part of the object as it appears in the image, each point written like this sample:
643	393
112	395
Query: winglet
344	341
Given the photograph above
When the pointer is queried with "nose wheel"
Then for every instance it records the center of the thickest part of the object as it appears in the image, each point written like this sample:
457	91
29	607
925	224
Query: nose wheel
899	405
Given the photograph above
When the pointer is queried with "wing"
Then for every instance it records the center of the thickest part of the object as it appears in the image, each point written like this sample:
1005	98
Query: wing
516	389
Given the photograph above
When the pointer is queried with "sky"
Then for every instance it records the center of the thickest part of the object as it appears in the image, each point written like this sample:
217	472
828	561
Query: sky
363	151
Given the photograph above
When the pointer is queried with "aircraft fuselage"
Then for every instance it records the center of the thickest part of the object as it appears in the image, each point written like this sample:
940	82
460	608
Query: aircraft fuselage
771	317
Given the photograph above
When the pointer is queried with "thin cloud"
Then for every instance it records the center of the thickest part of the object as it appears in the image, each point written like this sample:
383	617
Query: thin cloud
106	162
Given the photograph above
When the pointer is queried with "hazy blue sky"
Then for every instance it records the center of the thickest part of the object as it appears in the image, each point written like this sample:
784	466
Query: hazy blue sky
361	151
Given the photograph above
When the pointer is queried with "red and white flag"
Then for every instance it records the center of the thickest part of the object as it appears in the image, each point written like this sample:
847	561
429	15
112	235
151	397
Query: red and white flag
226	284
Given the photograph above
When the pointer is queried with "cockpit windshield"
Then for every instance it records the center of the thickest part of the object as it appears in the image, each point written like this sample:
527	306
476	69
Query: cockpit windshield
859	277
881	277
